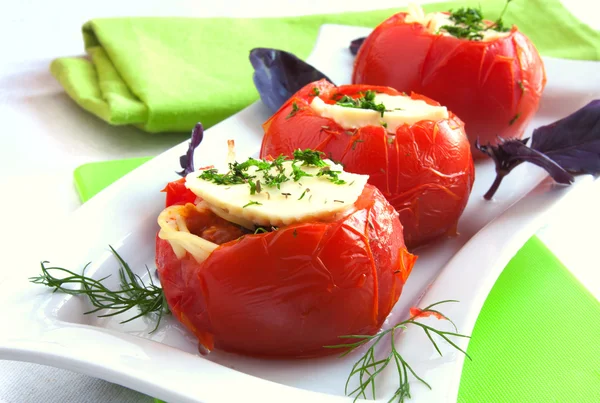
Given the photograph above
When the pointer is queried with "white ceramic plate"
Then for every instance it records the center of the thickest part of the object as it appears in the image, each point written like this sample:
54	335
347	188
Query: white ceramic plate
51	329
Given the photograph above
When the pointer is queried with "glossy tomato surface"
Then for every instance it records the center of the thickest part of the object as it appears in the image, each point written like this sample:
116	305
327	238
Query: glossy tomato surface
493	86
289	292
425	170
177	193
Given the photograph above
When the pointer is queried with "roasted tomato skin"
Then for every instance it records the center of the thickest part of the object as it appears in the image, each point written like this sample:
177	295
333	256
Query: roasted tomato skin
289	292
177	193
425	170
493	86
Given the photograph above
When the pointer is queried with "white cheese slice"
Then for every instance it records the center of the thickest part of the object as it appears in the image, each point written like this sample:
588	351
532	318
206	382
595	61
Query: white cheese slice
310	198
433	22
400	110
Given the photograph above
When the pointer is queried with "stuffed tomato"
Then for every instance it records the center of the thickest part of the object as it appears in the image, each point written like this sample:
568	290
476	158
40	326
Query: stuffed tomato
491	77
414	150
280	258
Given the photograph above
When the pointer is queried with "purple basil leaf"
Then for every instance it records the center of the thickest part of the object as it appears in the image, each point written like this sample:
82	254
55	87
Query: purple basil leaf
187	159
574	141
503	153
278	75
508	154
356	44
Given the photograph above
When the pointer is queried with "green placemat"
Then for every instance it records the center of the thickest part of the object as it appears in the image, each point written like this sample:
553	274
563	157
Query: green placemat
166	74
537	338
95	176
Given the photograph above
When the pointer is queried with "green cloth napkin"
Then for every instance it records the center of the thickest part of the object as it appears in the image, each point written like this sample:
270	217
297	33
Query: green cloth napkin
166	74
536	339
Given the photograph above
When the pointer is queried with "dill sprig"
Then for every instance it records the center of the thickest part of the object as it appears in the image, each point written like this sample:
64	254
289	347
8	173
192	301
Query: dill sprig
367	101
498	25
369	366
133	293
295	110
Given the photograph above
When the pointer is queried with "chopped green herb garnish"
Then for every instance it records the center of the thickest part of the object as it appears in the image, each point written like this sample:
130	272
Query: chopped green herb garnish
514	119
304	193
251	203
356	142
275	180
238	173
333	176
230	178
366	101
295	109
260	230
252	186
352	103
310	157
521	86
273	172
298	172
384	124
469	23
316	91
278	163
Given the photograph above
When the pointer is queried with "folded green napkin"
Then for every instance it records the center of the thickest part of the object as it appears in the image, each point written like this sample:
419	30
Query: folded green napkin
166	74
536	339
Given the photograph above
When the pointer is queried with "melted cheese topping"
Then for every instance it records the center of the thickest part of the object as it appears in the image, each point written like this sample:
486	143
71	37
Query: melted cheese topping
434	21
400	110
174	230
311	198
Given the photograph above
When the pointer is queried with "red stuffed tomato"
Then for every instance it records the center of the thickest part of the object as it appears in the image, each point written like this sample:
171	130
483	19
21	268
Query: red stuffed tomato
423	166
287	292
493	84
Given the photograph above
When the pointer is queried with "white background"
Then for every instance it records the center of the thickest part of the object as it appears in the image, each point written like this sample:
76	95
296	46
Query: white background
44	136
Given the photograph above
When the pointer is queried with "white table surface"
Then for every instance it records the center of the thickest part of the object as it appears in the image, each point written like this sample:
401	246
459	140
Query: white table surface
45	136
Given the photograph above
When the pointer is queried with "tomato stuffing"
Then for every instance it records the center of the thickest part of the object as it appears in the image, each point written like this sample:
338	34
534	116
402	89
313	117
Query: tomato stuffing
202	222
